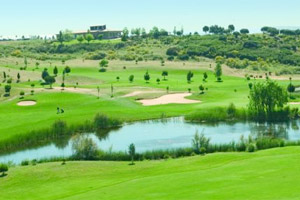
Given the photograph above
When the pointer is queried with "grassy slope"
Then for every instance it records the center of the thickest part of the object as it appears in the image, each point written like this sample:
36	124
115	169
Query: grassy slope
271	174
80	107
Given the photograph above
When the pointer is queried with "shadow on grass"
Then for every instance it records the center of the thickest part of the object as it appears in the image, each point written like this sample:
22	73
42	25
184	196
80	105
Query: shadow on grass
131	164
3	175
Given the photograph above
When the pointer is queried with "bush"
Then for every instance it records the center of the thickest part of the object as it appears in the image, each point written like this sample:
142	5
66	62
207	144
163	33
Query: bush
84	148
103	122
170	58
183	57
173	51
95	56
231	110
202	150
102	70
3	168
24	163
251	147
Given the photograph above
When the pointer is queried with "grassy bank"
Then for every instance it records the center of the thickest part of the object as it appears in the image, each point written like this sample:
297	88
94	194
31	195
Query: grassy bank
215	176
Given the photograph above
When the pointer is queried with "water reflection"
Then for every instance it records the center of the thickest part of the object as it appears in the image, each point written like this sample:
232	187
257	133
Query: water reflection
158	134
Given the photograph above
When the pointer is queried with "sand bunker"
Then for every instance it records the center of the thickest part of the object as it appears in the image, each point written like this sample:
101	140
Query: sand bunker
294	103
135	93
178	98
26	103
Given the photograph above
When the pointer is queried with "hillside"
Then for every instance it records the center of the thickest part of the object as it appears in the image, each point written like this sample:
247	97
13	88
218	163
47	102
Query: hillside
269	175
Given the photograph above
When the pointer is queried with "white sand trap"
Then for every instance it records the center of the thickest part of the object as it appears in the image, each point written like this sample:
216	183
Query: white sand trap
135	93
26	103
75	90
178	98
294	103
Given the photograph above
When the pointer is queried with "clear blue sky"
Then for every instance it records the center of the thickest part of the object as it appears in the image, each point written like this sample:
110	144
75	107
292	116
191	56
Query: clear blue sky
24	17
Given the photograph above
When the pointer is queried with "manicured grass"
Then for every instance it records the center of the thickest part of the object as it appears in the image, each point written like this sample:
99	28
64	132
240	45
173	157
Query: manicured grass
80	107
271	174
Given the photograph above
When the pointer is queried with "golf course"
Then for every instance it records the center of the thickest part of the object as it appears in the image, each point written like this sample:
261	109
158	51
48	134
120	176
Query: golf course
150	113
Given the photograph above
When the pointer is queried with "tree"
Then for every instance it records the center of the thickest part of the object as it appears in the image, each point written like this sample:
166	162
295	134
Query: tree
167	89
112	90
4	75
157	80
60	37
136	32
22	93
218	71
80	38
143	33
215	29
84	147
118	78
199	142
201	88
3	168
98	90
231	110
67	70
45	73
131	151
37	64
236	34
100	37
265	99
25	62
162	62
7	89
291	88
147	77
55	71
18	77
67	35
62	86
244	31
103	63
154	32
205	76
89	37
125	34
50	80
131	78
250	85
189	76
205	29
231	28
164	74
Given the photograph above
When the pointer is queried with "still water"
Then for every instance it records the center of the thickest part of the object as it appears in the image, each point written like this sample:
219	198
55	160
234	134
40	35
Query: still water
160	134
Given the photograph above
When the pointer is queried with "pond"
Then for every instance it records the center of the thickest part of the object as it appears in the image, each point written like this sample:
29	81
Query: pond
160	134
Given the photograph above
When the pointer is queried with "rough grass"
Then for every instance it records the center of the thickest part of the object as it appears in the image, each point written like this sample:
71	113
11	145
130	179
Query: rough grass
271	174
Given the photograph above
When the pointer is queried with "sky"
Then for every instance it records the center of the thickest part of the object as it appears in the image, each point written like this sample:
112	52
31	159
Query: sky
39	17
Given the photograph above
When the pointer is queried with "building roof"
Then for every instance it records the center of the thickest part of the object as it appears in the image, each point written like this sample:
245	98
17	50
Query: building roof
98	25
96	31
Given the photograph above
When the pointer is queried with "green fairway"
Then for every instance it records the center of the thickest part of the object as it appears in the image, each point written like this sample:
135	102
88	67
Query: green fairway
269	175
81	104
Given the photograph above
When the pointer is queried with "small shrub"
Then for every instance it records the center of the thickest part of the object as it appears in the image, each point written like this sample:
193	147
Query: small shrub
202	150
24	163
102	70
84	148
3	168
251	147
